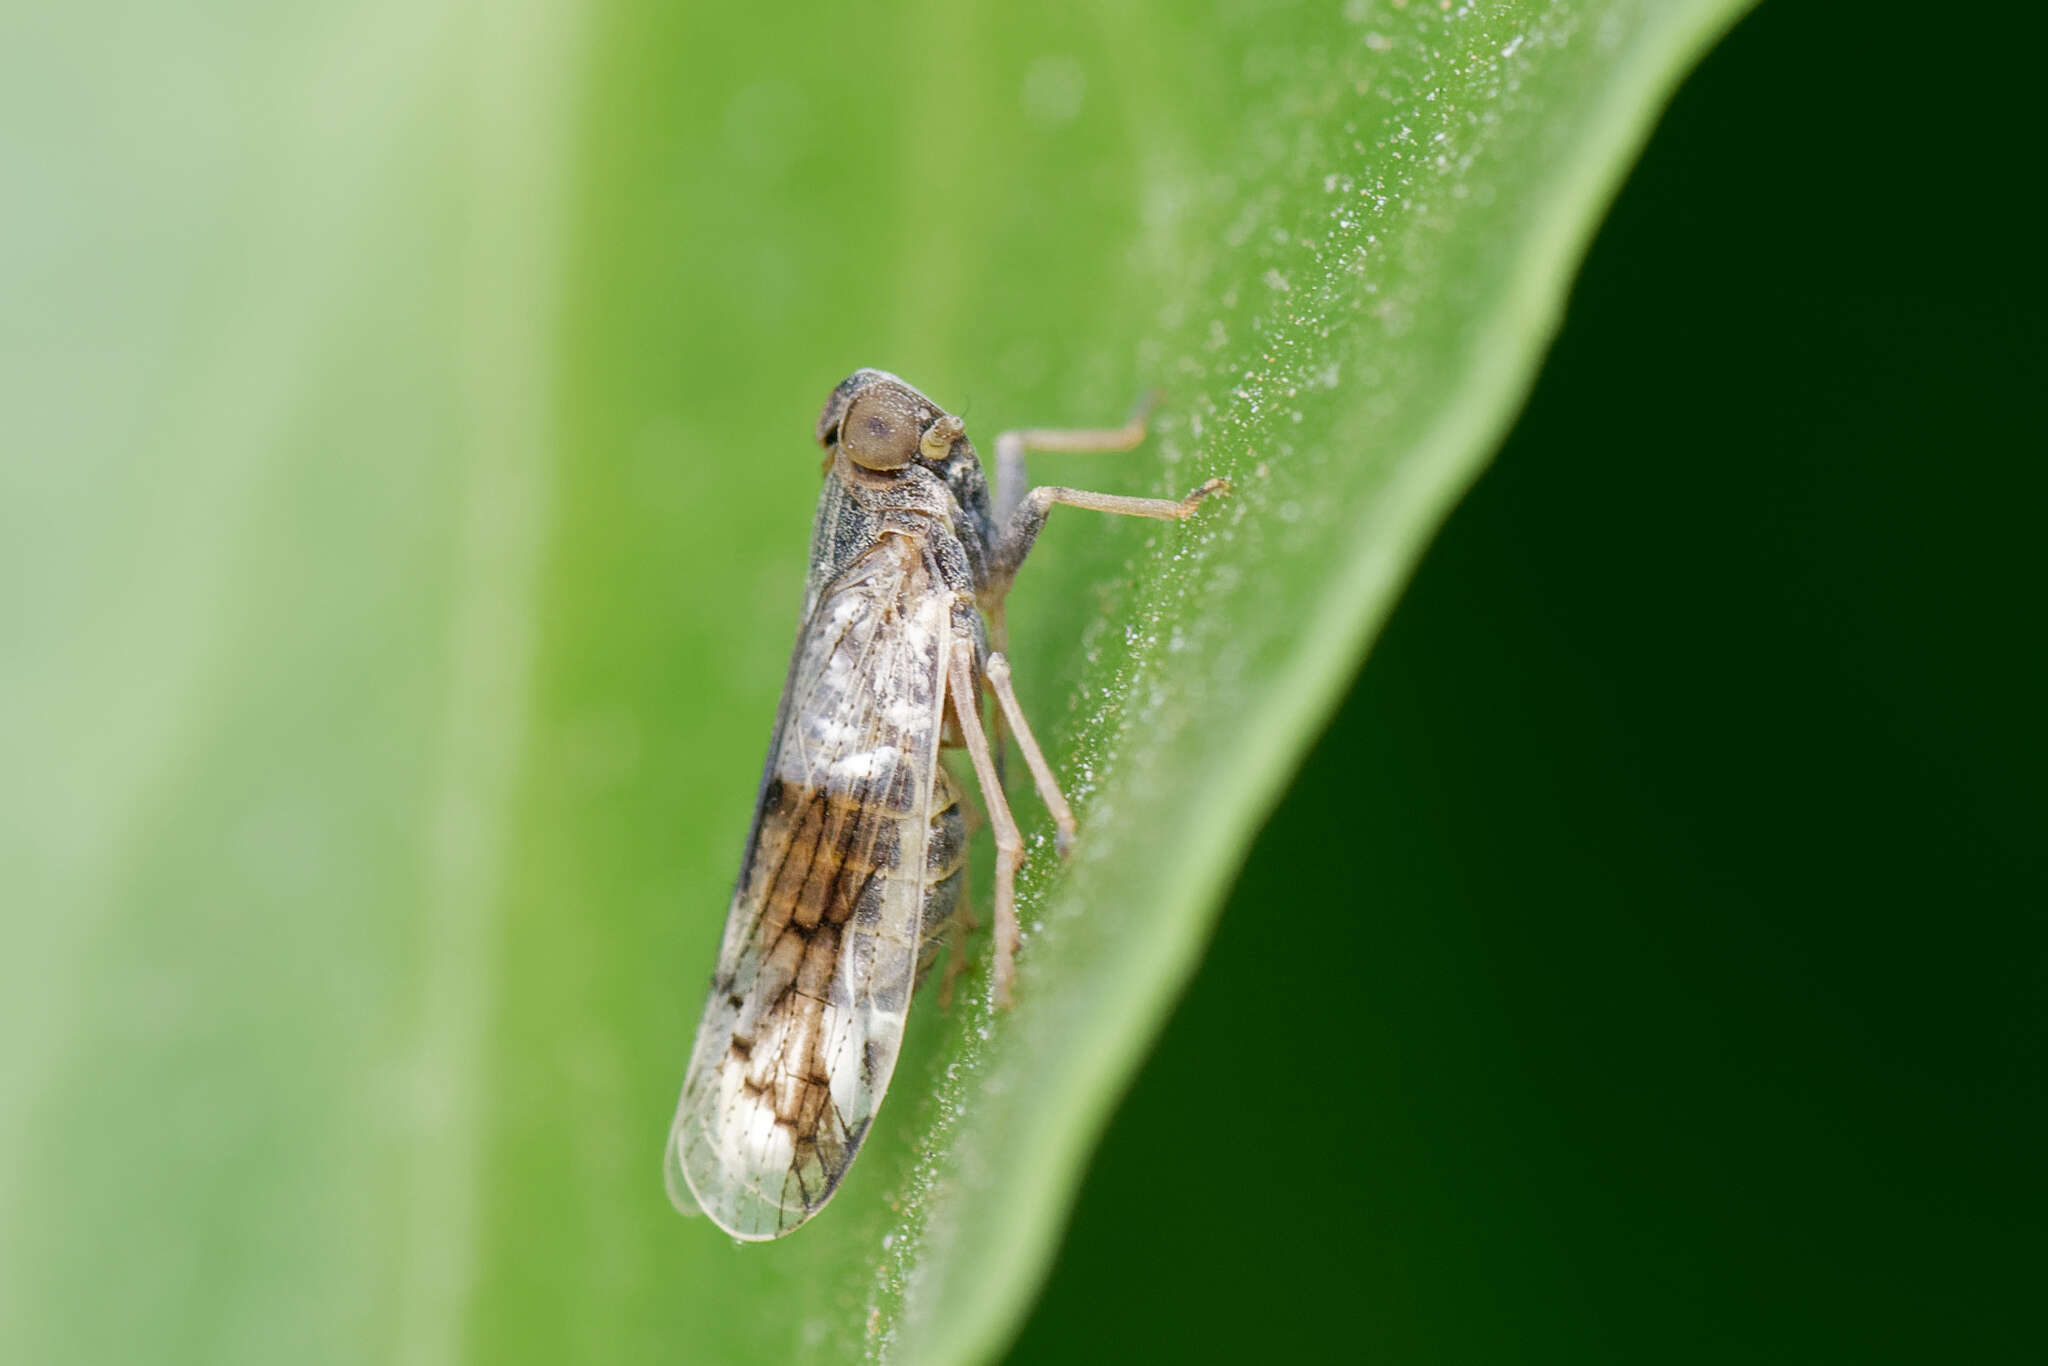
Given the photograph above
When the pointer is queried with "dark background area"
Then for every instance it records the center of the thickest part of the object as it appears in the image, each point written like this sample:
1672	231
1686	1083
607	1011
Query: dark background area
1695	1010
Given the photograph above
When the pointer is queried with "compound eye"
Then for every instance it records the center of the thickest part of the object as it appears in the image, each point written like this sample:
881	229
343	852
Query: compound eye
882	429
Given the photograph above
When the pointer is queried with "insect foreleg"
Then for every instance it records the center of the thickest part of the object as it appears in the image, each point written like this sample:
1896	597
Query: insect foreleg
1021	531
998	675
1011	446
1009	843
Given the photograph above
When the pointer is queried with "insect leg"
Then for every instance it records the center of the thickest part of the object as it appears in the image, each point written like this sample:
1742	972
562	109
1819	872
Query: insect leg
999	644
1021	531
962	922
1009	843
998	674
1011	446
956	950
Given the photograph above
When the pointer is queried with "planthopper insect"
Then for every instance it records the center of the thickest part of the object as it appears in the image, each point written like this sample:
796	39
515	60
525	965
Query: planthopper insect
853	871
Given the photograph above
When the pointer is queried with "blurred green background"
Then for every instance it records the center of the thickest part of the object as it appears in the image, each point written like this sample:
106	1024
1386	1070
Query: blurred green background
404	491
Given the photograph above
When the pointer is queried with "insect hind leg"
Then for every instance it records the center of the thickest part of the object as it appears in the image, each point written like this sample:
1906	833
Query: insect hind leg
947	918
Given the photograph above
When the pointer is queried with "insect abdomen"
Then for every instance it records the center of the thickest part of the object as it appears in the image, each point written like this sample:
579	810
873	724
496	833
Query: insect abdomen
945	868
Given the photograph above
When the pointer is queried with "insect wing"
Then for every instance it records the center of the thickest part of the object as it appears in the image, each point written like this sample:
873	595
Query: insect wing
805	1018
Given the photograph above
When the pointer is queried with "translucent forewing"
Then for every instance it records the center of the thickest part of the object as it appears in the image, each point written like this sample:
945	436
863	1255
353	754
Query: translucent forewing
806	1011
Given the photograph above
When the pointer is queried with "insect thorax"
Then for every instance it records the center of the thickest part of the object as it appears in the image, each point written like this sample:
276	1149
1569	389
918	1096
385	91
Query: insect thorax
858	506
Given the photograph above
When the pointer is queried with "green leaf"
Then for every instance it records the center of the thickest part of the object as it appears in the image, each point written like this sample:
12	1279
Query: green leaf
419	399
